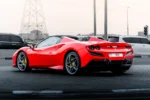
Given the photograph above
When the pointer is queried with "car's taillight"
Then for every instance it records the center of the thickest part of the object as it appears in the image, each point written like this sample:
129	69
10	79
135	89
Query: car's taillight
129	53
91	47
128	47
97	47
94	47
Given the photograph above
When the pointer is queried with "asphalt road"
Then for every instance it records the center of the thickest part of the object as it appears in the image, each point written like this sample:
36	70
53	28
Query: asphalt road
6	53
11	79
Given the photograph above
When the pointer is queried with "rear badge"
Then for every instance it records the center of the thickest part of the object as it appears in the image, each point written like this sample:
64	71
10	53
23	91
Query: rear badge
114	47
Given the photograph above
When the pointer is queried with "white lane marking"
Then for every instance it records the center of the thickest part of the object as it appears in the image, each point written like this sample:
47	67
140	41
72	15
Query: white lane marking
130	90
37	92
46	91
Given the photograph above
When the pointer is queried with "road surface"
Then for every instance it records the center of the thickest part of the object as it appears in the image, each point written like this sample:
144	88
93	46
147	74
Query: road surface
11	79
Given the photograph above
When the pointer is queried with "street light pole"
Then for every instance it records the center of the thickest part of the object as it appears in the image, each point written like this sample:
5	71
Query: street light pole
105	22
94	5
127	20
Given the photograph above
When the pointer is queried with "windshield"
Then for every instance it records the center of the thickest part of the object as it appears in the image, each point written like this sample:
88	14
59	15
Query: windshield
37	52
113	39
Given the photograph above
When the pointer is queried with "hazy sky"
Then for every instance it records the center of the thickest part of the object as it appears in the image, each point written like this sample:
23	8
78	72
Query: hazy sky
76	16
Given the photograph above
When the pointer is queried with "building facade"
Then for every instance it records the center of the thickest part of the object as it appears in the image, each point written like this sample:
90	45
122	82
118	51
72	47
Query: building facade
34	35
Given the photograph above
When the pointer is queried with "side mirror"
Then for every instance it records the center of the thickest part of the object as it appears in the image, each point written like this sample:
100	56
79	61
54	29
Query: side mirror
31	45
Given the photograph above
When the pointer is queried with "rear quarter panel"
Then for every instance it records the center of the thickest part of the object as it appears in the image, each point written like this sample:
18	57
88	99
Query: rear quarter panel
79	48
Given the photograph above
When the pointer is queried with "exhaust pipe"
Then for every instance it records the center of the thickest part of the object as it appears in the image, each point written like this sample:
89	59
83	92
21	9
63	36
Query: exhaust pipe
107	61
127	61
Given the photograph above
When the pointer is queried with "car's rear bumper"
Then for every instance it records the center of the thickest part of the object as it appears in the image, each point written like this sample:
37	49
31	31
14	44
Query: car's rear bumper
106	64
103	57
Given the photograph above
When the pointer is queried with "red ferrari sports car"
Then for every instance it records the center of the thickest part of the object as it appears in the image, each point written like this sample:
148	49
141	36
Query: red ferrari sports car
71	54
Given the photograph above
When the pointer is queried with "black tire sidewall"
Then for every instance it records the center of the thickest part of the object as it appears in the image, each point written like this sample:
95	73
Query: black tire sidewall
120	70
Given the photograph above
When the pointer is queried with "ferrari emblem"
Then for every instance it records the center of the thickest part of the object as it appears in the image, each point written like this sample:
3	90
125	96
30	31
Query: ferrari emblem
114	47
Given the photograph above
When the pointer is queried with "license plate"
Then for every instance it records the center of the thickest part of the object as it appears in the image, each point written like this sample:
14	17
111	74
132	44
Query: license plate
115	55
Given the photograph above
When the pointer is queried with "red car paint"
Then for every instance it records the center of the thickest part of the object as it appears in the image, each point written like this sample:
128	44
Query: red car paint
53	56
95	39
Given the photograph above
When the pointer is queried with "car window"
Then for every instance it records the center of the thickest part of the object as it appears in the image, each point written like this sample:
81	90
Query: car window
15	39
83	38
113	39
48	42
145	41
76	38
80	38
132	40
4	37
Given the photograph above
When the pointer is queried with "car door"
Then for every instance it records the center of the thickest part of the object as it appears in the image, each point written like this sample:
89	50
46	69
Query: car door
42	53
146	46
16	42
5	41
136	44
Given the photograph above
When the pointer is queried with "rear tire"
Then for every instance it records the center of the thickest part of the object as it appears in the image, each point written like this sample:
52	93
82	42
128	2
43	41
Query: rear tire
22	62
119	70
72	63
